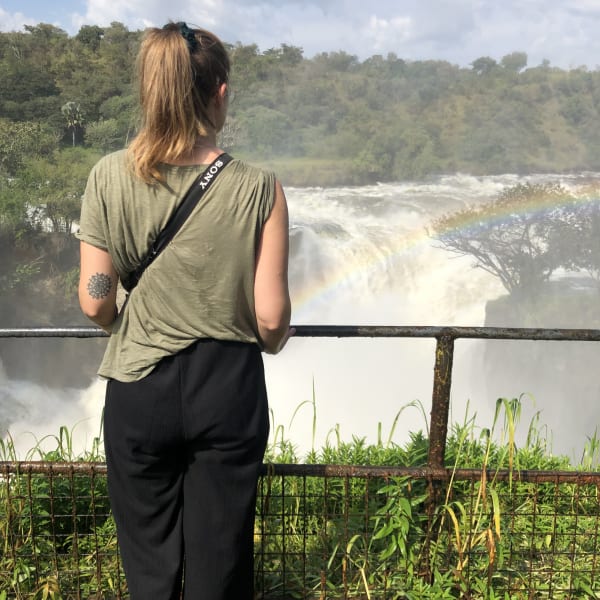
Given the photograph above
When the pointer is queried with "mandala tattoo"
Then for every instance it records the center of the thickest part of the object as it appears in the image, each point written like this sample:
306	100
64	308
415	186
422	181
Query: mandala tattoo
99	286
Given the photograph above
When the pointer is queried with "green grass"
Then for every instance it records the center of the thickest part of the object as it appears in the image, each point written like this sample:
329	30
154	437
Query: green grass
341	537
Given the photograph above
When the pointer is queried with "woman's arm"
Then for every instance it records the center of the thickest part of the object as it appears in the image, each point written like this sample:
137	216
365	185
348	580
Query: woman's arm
97	285
271	292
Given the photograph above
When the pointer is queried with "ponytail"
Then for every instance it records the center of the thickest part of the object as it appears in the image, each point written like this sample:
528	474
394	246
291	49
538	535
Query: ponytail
179	70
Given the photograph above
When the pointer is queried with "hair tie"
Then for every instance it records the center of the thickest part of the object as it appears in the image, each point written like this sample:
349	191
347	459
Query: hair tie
188	35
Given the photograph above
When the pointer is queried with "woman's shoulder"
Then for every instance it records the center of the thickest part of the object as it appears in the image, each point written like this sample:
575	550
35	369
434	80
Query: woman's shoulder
110	168
250	172
112	161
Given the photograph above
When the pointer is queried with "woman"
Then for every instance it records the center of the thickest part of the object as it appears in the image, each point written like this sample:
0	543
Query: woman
186	418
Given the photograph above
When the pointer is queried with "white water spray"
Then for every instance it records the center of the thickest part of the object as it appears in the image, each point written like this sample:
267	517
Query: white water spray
362	255
33	414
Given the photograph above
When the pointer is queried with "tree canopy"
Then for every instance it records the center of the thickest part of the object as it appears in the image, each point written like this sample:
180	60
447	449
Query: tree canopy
525	234
382	118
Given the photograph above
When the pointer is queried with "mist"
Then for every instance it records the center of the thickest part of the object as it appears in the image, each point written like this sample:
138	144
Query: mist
362	255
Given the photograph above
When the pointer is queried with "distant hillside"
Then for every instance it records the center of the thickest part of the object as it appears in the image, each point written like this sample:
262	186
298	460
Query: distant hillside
328	119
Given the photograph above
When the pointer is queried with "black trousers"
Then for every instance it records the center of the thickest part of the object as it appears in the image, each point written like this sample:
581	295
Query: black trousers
184	447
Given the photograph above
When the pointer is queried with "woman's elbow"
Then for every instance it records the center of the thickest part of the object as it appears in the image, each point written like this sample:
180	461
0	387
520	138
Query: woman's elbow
274	330
276	322
101	313
102	318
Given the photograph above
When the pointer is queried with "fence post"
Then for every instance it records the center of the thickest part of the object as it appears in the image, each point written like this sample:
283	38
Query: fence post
438	432
440	401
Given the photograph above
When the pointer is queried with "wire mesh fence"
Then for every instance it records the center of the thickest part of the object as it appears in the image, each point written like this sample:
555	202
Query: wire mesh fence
57	534
330	532
370	535
335	531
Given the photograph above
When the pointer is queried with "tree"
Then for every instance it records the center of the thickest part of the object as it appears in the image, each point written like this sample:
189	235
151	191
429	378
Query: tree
511	236
265	131
105	134
27	89
90	36
72	113
578	235
54	186
19	141
230	134
484	65
337	61
515	61
285	54
588	255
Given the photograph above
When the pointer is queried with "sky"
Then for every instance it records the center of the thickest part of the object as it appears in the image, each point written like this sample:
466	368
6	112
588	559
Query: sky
565	32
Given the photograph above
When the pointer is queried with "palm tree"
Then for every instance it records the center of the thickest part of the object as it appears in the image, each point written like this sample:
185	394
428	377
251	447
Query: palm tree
72	113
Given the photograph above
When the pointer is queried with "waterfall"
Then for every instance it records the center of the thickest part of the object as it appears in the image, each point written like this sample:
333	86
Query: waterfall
364	255
33	414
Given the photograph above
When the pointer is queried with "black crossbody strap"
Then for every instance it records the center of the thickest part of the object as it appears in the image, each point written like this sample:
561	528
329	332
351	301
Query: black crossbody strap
201	184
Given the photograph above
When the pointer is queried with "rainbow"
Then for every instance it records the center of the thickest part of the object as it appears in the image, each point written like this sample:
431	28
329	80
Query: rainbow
528	208
325	289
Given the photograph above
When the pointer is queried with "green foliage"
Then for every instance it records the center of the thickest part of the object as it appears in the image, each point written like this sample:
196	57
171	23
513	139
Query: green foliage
54	185
106	135
90	36
382	119
69	514
577	235
20	141
38	207
484	65
337	536
515	61
40	200
266	131
398	120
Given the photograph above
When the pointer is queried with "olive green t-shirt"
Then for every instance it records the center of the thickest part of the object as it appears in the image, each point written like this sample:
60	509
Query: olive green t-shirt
202	284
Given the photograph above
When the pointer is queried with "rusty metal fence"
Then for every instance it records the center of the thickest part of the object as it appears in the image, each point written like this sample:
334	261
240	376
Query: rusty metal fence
337	531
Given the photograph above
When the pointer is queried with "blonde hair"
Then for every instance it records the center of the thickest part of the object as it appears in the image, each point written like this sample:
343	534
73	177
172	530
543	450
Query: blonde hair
179	70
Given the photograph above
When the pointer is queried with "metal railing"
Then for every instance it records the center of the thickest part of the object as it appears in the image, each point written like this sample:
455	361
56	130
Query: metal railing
338	531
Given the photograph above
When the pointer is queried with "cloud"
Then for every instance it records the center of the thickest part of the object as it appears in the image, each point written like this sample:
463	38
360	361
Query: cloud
387	33
314	26
139	14
11	22
458	31
585	8
14	21
550	29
